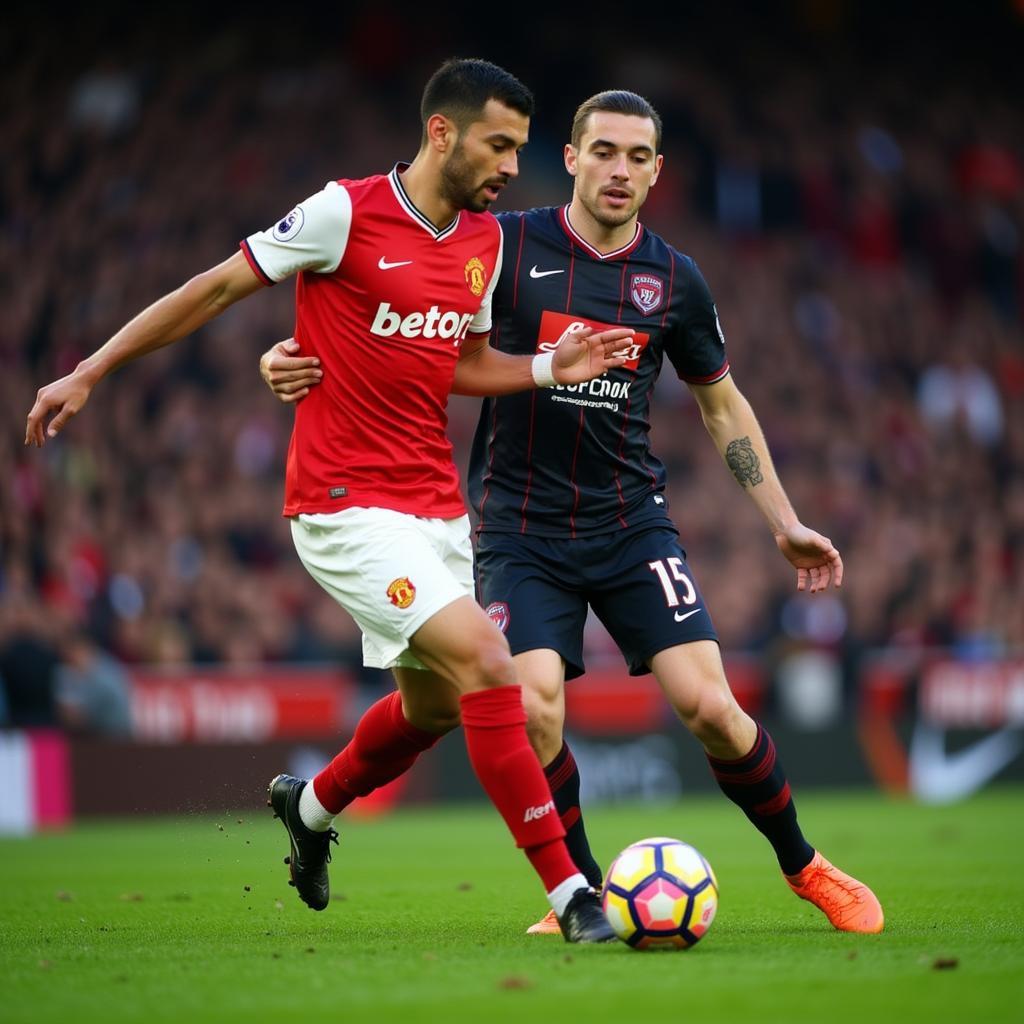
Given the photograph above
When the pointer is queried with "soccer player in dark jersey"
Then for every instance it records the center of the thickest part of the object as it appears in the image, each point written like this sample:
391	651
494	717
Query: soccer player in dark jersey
395	276
570	497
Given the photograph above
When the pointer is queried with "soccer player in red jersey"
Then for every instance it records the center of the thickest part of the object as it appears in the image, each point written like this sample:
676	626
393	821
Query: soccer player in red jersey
580	518
393	298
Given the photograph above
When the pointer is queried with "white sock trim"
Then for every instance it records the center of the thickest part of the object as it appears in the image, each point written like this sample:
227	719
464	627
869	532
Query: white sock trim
314	815
563	892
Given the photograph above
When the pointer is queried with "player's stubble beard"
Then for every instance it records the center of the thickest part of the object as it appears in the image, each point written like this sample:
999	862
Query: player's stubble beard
612	219
459	185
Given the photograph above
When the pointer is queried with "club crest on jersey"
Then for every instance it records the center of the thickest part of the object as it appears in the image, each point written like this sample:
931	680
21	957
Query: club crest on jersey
647	292
476	276
401	592
288	228
498	613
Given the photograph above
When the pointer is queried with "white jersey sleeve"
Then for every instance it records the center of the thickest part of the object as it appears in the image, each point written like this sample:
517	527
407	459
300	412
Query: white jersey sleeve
312	237
481	323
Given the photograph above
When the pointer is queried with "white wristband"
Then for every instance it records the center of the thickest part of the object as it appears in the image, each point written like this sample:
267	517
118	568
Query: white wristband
541	367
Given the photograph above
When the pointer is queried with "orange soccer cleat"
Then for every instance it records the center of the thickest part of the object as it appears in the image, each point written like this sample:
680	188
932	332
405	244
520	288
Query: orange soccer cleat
850	905
547	925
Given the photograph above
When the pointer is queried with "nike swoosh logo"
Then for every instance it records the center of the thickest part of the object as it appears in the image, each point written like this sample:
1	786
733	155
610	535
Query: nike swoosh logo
384	265
535	273
683	618
939	777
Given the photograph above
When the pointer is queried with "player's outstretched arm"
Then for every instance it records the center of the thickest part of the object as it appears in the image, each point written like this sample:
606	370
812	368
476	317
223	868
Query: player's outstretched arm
731	422
167	320
289	375
579	356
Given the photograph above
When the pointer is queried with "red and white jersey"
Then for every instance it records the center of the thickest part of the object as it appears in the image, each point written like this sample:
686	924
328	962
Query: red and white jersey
384	300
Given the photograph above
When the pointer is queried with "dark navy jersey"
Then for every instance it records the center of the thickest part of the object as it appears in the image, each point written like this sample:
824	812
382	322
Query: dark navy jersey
576	461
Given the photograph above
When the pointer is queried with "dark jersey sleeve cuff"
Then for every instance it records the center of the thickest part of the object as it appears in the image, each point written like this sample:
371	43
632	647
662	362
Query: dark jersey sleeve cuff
712	378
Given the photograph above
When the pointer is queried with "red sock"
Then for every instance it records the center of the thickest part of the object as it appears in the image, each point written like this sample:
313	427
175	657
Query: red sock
495	726
383	746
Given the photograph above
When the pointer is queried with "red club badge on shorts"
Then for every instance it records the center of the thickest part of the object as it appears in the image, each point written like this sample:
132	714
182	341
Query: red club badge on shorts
497	612
401	592
647	292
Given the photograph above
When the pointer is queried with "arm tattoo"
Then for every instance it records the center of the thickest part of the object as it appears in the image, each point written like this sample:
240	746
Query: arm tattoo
741	458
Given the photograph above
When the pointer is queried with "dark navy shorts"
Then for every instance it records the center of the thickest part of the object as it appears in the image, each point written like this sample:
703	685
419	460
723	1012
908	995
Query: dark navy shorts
537	590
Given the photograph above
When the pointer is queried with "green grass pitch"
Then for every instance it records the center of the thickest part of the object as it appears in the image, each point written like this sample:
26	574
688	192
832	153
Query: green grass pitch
191	920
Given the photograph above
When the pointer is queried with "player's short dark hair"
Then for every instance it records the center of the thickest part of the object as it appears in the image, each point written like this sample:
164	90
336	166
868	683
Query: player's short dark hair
461	87
615	101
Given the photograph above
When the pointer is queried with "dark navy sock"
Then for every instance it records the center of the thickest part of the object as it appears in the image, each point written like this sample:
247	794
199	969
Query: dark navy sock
757	785
564	780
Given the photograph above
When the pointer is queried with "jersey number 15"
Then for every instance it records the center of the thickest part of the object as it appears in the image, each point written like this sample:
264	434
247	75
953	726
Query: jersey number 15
669	572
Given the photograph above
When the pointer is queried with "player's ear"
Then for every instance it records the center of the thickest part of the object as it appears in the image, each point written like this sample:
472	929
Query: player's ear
440	133
570	156
658	161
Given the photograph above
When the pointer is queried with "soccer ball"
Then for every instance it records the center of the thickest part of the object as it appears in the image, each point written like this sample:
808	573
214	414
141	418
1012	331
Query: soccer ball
660	893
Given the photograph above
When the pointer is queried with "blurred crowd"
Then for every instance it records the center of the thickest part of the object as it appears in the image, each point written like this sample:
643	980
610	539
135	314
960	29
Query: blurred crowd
860	227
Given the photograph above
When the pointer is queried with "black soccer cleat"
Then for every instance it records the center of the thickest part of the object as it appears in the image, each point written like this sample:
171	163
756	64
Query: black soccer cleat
584	920
310	851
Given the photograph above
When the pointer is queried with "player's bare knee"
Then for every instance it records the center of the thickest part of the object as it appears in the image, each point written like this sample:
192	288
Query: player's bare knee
493	665
712	716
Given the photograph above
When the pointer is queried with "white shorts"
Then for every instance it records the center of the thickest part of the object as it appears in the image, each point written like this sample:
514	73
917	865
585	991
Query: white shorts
389	570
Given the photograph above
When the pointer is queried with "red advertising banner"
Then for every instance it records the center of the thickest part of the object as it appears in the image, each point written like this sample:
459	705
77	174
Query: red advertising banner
238	706
965	727
981	695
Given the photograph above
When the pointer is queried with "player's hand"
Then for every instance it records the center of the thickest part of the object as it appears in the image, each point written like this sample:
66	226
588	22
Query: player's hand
816	560
289	376
585	354
63	397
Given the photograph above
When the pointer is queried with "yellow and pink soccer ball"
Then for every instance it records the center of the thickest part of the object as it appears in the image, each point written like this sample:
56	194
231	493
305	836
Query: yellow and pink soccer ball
660	893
